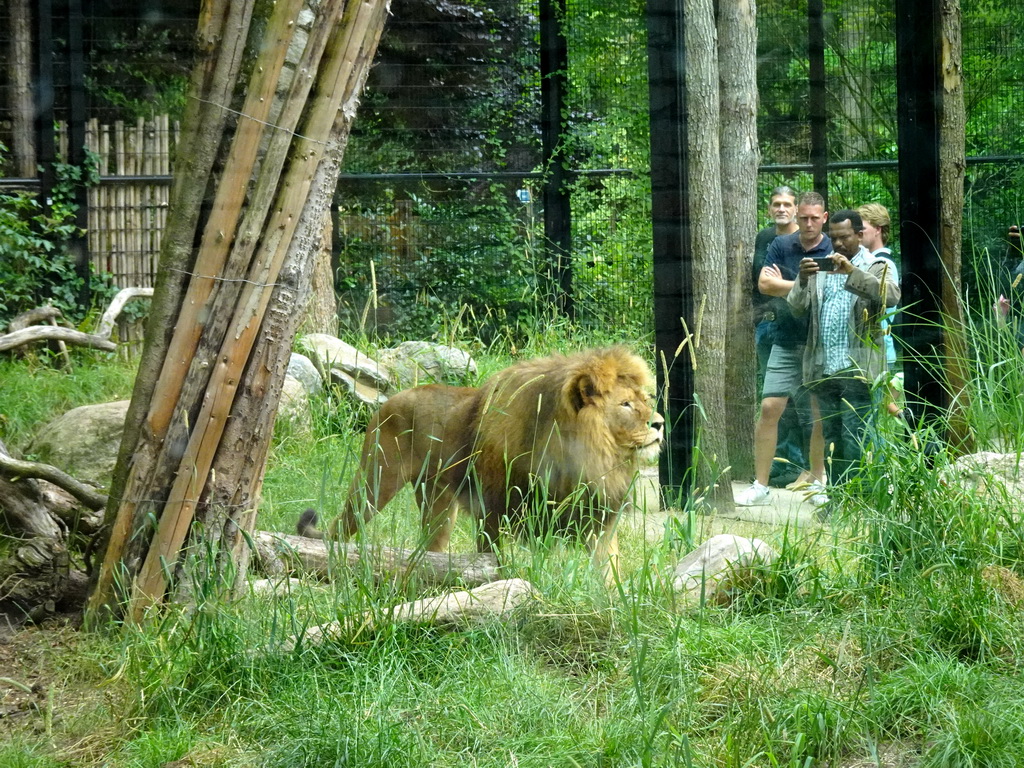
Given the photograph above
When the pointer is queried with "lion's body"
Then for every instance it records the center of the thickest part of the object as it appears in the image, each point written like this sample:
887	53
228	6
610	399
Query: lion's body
548	444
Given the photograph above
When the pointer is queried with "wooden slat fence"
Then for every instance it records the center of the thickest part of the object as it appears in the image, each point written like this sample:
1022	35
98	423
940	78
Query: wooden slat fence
127	212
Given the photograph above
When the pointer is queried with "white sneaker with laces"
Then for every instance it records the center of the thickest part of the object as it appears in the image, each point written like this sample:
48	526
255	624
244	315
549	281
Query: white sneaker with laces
816	494
753	496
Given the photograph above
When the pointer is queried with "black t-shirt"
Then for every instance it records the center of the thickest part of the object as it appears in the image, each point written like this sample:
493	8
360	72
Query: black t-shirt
786	252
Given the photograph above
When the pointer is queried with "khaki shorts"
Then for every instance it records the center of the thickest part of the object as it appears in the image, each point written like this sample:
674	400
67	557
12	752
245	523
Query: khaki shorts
784	373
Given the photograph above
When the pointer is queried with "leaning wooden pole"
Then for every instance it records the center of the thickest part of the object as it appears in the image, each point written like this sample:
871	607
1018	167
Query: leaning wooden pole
212	85
205	371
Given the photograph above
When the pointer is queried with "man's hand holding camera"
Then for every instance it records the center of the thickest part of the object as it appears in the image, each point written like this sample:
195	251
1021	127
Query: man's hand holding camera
836	262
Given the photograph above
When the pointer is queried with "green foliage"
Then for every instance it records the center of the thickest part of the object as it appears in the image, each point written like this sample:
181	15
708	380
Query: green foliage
32	392
139	64
469	259
36	266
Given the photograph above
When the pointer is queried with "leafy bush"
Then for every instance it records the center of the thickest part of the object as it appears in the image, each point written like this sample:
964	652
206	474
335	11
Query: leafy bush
453	262
36	266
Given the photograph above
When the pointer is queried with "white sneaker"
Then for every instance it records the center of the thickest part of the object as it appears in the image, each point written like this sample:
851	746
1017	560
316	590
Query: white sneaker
816	494
753	496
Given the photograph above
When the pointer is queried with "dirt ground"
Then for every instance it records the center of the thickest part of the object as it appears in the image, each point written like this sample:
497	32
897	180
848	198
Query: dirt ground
37	689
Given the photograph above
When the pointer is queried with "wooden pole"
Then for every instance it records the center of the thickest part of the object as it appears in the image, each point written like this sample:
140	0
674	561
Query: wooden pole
209	425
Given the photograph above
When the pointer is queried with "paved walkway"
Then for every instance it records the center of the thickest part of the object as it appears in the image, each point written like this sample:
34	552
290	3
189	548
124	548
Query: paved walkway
783	507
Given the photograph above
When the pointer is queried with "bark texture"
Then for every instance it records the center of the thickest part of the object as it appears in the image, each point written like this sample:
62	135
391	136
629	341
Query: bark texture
283	554
952	167
737	71
709	256
19	67
322	311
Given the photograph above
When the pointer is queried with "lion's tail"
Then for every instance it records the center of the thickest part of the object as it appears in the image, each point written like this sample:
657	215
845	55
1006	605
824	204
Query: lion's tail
306	525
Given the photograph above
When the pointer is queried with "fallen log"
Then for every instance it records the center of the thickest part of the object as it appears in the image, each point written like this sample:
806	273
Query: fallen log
719	567
54	333
495	600
281	553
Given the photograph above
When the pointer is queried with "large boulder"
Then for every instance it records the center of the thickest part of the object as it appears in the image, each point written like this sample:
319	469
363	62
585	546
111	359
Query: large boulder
330	354
83	442
986	473
421	362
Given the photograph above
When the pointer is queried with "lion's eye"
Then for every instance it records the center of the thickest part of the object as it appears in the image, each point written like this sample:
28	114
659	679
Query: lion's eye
627	404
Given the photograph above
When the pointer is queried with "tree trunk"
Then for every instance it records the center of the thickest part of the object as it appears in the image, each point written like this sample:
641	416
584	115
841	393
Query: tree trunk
19	65
708	241
322	313
210	411
737	69
952	165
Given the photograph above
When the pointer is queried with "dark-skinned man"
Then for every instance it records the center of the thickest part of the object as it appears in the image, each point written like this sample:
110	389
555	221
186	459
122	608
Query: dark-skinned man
843	301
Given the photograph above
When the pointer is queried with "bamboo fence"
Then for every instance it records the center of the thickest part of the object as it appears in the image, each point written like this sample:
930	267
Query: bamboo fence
128	211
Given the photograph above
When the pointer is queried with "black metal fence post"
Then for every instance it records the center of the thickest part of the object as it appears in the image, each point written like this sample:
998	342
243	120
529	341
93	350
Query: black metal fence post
673	291
918	88
554	68
77	118
817	95
43	94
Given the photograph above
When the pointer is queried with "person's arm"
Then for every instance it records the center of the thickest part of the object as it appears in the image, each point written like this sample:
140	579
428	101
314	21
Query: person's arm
877	283
799	296
772	283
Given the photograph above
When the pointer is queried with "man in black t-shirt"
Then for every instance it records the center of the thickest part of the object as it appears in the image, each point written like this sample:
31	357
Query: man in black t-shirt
784	373
790	450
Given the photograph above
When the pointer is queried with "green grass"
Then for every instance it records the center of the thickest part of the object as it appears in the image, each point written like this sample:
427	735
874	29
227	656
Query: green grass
35	388
877	634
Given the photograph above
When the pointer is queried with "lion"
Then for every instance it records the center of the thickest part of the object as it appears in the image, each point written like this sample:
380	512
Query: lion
550	444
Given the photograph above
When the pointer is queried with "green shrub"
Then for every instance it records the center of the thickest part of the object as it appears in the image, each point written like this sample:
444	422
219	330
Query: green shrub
36	267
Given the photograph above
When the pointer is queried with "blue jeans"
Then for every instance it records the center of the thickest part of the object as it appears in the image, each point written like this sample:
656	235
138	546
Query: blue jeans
844	402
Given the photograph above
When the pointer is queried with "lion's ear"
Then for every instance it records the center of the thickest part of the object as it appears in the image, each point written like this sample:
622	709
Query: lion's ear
581	390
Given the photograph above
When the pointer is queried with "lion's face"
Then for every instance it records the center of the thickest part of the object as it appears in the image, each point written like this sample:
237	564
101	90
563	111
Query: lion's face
632	421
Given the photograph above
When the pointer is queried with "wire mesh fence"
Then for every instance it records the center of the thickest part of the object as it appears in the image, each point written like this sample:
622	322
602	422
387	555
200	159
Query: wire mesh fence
440	213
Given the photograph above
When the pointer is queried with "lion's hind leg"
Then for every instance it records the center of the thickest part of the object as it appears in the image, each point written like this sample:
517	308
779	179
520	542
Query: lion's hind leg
377	479
439	508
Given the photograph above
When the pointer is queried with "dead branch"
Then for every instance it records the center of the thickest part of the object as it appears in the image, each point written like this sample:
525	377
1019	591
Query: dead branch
17	469
280	553
495	600
37	316
117	305
47	332
24	331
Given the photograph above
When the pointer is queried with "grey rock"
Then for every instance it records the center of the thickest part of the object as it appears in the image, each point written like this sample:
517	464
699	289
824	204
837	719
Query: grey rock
987	473
301	368
83	442
293	408
329	353
421	362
